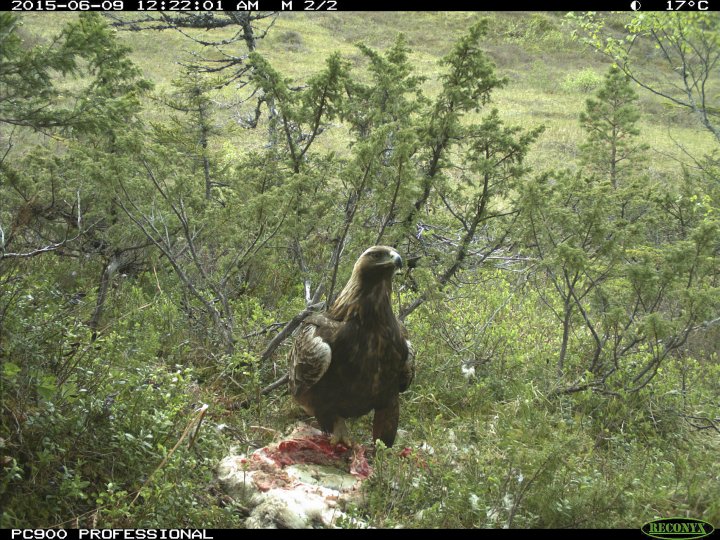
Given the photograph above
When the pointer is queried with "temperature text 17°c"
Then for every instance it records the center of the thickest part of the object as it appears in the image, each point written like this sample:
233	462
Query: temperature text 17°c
677	5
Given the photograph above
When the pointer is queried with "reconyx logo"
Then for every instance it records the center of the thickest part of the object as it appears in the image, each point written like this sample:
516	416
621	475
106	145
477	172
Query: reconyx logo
672	528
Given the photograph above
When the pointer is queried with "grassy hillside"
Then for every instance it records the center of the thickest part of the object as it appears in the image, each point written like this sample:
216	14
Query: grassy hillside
550	74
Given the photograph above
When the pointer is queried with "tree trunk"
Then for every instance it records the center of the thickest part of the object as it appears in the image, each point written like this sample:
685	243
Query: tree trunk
105	279
567	313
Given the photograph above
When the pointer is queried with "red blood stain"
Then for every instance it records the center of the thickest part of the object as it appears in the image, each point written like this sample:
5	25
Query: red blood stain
306	450
317	449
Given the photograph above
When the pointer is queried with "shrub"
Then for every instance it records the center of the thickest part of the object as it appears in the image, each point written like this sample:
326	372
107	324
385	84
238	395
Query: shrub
585	80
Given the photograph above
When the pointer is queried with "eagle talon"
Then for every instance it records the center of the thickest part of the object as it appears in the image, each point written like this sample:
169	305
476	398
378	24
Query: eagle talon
345	441
340	434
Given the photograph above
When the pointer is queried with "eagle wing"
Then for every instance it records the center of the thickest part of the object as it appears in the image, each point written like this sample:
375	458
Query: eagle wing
311	354
407	371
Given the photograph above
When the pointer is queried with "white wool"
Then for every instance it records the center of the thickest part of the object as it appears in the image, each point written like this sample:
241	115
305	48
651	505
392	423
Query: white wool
312	497
468	371
239	481
287	508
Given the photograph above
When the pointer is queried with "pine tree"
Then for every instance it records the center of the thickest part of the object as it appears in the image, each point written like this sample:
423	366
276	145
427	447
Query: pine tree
612	150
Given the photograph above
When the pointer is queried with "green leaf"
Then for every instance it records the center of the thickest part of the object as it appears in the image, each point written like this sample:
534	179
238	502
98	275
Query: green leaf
10	370
47	386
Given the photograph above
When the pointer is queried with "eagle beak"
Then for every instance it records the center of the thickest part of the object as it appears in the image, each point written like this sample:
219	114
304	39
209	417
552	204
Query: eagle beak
397	259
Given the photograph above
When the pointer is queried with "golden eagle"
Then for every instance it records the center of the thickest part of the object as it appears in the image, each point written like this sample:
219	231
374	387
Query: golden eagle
355	357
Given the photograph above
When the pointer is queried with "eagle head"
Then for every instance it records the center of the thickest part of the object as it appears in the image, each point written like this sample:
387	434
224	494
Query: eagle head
369	286
376	263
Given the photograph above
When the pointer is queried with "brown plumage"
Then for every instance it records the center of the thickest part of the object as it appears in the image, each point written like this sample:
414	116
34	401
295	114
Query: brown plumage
355	357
